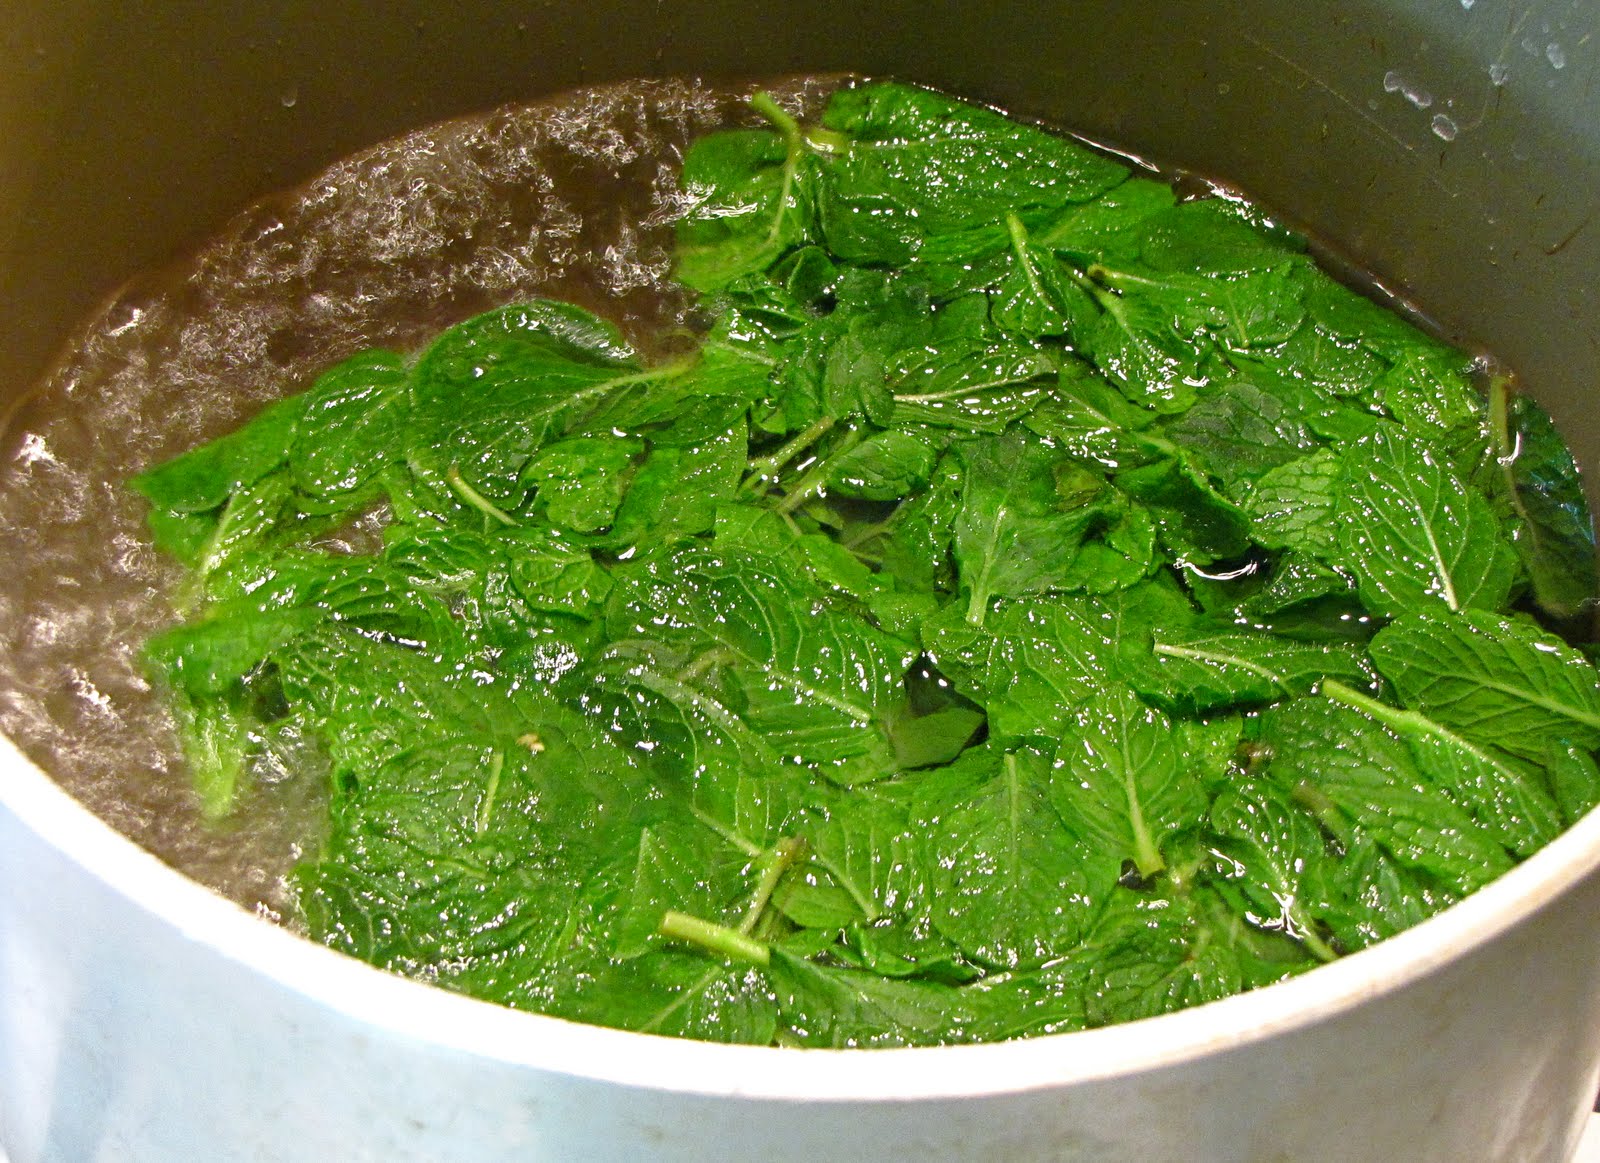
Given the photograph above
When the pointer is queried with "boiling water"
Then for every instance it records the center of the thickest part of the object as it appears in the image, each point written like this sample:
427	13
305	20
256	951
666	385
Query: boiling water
571	199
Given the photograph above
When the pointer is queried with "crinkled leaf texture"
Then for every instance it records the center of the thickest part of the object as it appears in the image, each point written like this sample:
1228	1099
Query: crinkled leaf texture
1036	602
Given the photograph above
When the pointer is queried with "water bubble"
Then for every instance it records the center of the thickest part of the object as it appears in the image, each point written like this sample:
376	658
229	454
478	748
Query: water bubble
1498	73
290	98
1393	82
1555	54
1444	127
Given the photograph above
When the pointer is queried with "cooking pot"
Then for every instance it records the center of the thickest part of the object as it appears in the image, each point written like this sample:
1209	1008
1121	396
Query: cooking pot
1450	146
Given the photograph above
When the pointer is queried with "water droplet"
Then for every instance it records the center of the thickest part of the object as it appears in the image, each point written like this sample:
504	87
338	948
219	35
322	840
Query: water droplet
1555	54
1498	73
290	98
1444	127
1393	82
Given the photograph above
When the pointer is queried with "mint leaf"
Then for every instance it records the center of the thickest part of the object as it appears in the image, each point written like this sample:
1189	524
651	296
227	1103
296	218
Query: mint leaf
1414	534
1010	886
751	196
1021	520
823	1006
489	392
919	163
1292	505
1370	788
1553	531
1501	681
1027	601
1122	786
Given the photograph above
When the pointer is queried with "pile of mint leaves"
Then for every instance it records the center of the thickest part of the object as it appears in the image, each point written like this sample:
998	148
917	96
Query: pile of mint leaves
1037	602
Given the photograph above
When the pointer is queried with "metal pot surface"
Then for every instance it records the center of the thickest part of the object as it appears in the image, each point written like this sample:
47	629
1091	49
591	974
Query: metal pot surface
1450	146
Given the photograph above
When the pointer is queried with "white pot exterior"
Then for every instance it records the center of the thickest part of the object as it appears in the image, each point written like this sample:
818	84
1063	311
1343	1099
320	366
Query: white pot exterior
142	1018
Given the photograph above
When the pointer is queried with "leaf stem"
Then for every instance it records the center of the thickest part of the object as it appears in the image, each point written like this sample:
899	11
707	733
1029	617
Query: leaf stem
761	472
476	499
1401	720
1389	716
811	483
715	656
1506	449
486	805
1320	949
1019	246
719	939
784	855
1174	650
820	139
764	104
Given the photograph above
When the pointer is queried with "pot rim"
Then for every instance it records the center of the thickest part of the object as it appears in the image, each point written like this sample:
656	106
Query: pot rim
436	1017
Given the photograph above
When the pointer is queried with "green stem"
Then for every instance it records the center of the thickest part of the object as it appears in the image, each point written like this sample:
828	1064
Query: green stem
785	854
1505	449
715	938
1394	717
811	484
764	104
715	656
761	473
1101	294
1019	246
1320	804
1403	721
1499	426
820	139
476	499
486	806
1172	650
1320	949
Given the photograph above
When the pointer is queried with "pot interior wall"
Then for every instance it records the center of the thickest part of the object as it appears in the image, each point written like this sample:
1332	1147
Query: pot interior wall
1451	146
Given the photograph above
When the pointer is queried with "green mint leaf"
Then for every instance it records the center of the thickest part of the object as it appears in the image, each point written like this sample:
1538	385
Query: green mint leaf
1010	886
920	163
1553	531
491	391
1213	236
352	425
206	477
1200	669
1242	310
863	867
751	196
834	1008
886	466
1018	532
1370	787
1292	505
1121	784
972	385
1240	433
1279	847
1197	523
1507	799
816	680
1501	681
1414	534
